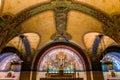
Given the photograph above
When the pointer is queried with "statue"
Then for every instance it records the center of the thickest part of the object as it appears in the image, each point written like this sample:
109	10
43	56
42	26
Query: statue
10	74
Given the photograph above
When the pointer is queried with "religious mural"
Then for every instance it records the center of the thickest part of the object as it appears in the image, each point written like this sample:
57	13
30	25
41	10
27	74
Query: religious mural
114	56
61	61
61	57
10	66
111	65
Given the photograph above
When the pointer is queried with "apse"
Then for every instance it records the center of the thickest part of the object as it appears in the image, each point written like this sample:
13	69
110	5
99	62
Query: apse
115	57
60	57
6	59
113	67
10	62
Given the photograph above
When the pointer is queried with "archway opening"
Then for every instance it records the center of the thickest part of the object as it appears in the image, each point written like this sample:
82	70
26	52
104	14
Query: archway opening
111	63
10	63
61	55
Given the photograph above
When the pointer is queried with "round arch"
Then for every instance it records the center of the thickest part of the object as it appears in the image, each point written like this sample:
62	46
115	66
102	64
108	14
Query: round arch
114	48
10	61
10	49
75	47
111	53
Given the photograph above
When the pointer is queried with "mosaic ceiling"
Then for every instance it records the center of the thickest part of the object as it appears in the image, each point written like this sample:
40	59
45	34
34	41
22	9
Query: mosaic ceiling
72	19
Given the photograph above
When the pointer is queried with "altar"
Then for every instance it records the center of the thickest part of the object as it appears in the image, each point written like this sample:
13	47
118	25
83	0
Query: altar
61	75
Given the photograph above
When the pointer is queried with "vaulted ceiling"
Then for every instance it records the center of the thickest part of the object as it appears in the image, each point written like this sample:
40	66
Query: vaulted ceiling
44	17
